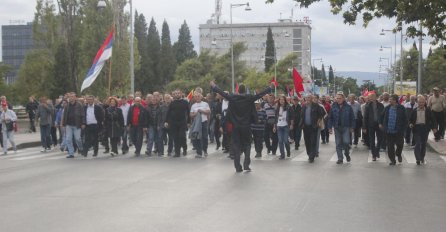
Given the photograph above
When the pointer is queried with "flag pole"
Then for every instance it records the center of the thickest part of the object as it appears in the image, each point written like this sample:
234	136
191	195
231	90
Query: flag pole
109	77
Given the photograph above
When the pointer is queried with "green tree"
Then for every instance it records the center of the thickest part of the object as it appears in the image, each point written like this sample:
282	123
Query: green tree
269	50
145	71
324	75
330	75
153	50
410	12
167	58
435	71
184	48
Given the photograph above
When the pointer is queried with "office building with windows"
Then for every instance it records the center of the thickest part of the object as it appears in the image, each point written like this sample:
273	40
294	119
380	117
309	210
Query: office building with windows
17	40
289	37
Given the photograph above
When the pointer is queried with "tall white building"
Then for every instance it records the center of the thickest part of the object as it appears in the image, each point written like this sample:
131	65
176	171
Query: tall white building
288	37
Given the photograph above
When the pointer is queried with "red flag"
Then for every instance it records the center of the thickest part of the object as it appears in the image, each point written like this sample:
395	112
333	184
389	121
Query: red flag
297	79
402	99
365	92
190	95
273	80
236	87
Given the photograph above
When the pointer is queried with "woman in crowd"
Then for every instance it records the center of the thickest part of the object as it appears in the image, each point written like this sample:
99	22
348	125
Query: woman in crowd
284	122
114	124
8	118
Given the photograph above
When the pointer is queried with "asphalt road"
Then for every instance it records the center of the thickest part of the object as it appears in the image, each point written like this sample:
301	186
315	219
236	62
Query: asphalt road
47	192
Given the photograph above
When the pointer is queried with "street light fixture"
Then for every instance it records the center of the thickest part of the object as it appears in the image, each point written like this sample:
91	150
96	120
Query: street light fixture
102	4
247	8
390	60
312	72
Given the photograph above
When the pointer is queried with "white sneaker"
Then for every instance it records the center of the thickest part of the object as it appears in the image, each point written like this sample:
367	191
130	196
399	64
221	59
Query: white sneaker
43	150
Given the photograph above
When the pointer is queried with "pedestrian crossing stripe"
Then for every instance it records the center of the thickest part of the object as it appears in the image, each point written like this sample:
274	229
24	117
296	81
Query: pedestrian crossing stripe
296	156
334	157
409	156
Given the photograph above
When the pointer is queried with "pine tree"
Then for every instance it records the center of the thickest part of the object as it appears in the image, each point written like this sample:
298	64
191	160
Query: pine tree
269	51
167	63
330	75
184	48
145	72
324	75
154	49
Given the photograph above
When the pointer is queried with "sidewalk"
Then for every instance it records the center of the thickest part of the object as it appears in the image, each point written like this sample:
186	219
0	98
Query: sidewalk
27	140
439	147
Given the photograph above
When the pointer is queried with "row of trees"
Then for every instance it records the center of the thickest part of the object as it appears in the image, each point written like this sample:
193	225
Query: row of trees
68	33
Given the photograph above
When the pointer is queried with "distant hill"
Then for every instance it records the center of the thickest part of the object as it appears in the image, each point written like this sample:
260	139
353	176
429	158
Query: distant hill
361	76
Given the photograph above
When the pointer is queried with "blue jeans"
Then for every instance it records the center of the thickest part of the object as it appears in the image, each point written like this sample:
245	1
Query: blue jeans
202	144
151	136
342	140
8	135
282	134
70	133
45	138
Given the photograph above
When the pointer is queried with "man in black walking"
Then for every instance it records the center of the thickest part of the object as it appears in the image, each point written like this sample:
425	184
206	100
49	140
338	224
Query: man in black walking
177	118
242	113
94	116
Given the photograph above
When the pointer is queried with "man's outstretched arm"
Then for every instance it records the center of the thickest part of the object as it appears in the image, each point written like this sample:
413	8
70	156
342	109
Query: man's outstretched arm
264	92
219	91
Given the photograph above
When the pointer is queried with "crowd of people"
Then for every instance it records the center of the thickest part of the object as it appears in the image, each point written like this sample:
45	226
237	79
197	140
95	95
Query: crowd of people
234	121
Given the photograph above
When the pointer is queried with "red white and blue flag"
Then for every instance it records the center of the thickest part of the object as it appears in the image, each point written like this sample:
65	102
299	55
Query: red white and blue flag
104	53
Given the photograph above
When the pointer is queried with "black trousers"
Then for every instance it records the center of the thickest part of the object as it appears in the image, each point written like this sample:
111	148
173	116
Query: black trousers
241	142
325	135
270	136
409	136
392	141
310	138
355	135
54	135
114	144
375	136
178	132
136	136
91	138
170	141
258	140
440	120
420	136
32	124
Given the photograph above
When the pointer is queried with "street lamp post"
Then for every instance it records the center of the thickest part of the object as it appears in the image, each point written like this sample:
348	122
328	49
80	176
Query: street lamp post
247	8
420	60
313	73
394	60
388	67
390	60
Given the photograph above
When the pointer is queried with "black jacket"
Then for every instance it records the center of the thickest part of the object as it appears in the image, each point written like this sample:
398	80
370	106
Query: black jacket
241	108
142	116
297	113
178	112
114	122
317	113
368	115
431	121
98	113
79	114
401	119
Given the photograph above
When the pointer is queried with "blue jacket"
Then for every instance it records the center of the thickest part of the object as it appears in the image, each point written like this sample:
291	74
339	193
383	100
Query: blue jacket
348	117
401	119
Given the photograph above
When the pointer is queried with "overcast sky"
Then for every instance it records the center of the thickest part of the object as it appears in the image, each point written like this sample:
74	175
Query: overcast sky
346	48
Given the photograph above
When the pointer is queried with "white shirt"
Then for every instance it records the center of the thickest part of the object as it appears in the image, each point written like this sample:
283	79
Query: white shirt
281	120
91	118
408	105
224	106
125	111
200	106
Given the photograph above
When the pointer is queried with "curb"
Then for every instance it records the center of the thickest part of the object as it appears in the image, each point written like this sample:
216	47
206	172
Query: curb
26	145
